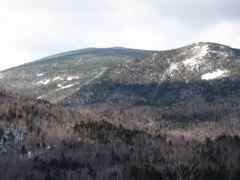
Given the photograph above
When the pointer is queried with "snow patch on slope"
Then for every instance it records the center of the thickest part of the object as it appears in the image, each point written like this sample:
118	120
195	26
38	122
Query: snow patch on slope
43	82
190	62
39	97
59	85
40	75
68	86
70	78
204	51
1	76
173	67
215	74
58	78
198	59
170	71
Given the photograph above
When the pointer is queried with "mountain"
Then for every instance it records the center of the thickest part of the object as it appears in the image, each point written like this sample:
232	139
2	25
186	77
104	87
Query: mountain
166	78
56	77
156	89
118	113
128	76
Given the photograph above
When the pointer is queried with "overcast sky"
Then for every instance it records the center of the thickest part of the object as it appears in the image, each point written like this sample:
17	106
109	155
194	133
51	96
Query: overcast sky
31	29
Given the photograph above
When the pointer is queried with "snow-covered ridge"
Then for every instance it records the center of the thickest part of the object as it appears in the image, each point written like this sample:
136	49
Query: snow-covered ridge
200	55
215	74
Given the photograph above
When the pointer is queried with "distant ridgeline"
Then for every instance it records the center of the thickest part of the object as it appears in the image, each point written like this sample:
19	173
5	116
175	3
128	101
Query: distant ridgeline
130	77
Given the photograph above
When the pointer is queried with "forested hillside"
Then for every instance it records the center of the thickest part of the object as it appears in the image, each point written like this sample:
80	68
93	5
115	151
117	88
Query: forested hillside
43	141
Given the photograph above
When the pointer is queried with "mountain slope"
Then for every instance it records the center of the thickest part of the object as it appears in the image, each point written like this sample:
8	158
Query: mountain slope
128	76
153	115
210	71
56	77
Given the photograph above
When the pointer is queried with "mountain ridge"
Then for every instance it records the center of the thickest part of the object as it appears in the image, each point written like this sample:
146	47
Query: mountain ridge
114	47
57	77
123	114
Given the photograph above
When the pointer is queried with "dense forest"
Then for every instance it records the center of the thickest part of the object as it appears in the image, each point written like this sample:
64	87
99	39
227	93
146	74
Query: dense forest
40	140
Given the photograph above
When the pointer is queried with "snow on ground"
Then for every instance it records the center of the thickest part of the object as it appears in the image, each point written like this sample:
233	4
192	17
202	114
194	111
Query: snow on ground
40	75
219	53
170	71
43	82
59	85
195	61
204	51
190	62
197	47
67	86
70	78
215	74
58	78
1	76
173	67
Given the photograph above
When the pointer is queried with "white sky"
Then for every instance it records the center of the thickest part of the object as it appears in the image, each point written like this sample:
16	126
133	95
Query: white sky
31	29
